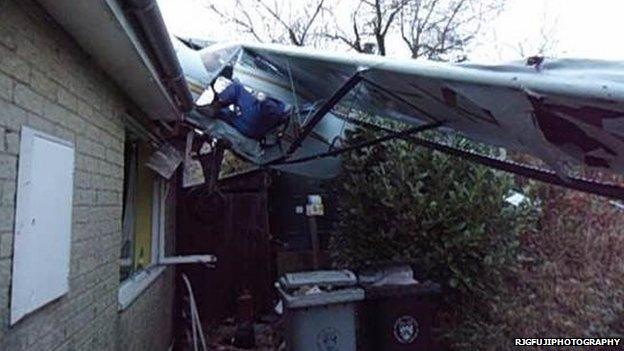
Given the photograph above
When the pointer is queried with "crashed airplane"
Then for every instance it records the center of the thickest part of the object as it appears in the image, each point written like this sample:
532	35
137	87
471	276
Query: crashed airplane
561	111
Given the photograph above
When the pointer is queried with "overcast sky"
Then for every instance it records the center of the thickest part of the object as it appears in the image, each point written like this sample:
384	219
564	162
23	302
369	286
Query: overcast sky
582	28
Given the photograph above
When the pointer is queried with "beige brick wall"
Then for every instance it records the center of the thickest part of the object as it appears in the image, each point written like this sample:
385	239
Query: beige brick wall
49	84
147	324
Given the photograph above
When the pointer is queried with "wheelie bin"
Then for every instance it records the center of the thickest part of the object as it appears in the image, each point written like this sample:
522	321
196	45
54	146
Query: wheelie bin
397	314
319	310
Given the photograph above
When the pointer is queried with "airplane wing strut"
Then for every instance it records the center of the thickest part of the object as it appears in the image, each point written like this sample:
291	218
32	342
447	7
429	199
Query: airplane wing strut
390	136
613	191
318	115
330	103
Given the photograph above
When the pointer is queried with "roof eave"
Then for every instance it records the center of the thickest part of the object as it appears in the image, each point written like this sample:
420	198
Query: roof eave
102	29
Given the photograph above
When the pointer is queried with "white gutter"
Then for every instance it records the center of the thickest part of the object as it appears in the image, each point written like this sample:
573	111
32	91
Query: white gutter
102	30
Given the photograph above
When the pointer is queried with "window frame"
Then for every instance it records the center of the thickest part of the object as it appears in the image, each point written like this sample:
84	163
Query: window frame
138	281
162	188
133	286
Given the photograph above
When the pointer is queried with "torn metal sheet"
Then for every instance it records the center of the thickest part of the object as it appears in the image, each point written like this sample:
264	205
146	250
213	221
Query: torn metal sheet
165	160
192	174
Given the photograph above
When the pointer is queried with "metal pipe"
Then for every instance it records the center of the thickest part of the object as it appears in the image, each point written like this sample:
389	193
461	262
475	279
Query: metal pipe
318	115
153	27
613	191
391	135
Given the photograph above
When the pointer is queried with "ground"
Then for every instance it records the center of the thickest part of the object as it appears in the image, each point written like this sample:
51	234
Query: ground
268	336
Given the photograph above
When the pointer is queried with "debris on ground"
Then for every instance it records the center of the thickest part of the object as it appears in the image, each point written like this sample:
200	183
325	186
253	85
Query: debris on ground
268	336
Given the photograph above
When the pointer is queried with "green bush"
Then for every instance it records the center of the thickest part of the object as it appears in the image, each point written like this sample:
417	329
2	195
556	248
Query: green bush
401	203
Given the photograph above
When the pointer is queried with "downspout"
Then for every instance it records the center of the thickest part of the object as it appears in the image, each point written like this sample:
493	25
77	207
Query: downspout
150	20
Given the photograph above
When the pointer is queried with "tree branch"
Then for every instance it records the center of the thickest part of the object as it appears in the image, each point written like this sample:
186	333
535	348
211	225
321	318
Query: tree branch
318	9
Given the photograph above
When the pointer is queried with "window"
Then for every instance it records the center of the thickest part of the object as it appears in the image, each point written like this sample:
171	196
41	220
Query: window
139	182
149	202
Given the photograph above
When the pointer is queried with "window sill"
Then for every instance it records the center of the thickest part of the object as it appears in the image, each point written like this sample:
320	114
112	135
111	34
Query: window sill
134	286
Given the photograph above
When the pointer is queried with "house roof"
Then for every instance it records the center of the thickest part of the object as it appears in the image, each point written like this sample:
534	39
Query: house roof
102	29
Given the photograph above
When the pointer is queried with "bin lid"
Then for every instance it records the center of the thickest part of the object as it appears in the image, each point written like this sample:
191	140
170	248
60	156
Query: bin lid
393	275
336	279
426	289
321	298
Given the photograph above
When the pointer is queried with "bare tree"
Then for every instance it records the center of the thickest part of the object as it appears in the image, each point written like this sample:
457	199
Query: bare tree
370	19
353	37
295	23
442	29
433	29
385	13
242	19
546	43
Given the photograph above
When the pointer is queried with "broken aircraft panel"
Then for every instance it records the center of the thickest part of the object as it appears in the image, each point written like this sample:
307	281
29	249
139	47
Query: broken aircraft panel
561	111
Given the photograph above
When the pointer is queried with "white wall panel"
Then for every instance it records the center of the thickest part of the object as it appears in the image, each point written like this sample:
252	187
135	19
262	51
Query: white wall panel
43	221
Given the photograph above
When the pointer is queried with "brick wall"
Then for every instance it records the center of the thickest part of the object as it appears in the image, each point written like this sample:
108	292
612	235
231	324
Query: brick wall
49	84
147	323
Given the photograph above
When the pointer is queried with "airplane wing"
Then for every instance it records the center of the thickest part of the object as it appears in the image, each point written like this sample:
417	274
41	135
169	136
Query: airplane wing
560	111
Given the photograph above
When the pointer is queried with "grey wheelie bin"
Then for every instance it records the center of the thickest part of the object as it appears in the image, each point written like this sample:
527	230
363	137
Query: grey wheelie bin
319	310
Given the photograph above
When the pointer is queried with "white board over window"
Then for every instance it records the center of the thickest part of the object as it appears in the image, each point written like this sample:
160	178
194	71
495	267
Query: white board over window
43	219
